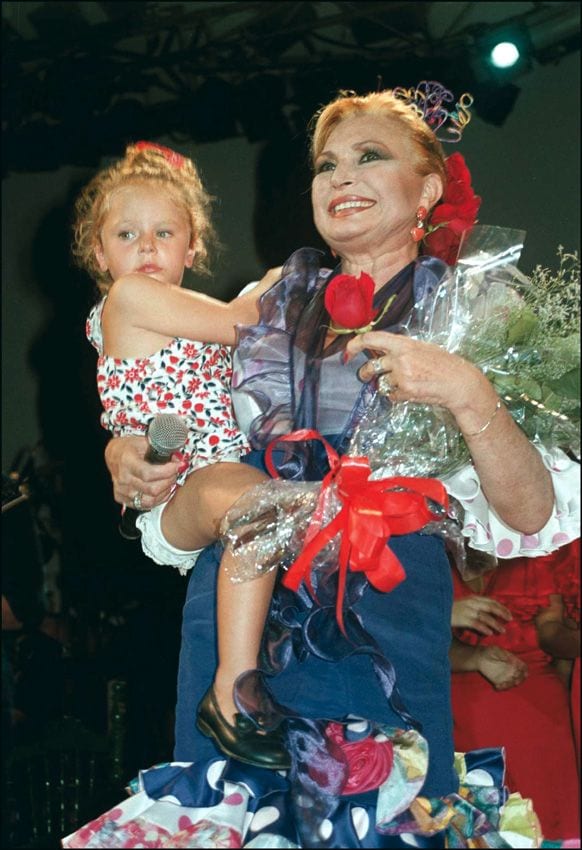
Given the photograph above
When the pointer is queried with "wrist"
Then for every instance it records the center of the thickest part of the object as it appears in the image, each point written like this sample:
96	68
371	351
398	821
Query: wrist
478	659
478	410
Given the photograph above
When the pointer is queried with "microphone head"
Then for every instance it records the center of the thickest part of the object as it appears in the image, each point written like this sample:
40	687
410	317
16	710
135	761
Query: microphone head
167	433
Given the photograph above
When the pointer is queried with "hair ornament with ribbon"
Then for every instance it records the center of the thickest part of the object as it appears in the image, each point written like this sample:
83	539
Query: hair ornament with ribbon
429	99
175	159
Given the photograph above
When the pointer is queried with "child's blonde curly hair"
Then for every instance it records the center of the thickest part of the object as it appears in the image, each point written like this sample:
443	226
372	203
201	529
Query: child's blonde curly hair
143	162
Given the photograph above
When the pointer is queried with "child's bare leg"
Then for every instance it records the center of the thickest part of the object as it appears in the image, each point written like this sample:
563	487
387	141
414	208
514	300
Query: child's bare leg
191	521
241	616
192	517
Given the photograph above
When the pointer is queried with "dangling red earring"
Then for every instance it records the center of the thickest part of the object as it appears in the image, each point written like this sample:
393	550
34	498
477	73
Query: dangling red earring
418	231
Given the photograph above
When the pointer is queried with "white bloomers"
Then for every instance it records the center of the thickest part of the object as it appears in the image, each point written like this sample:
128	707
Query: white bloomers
155	545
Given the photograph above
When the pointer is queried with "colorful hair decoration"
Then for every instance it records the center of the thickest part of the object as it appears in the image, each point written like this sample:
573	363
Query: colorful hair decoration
175	159
428	100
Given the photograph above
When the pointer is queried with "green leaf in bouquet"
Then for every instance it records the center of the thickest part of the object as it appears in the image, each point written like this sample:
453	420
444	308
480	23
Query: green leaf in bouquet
554	403
503	383
529	387
567	385
520	328
516	385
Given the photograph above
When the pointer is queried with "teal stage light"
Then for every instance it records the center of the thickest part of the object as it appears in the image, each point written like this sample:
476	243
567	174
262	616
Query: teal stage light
505	54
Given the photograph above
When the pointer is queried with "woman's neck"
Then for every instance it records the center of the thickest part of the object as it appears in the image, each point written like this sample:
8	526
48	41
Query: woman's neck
382	267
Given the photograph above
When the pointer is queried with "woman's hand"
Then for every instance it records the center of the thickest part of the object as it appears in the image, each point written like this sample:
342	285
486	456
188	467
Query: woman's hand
425	373
480	613
500	667
132	474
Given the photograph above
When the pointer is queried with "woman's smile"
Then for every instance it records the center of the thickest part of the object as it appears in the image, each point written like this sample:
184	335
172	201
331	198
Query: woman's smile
348	205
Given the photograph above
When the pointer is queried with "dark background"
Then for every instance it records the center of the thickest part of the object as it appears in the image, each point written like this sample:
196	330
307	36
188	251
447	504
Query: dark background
232	84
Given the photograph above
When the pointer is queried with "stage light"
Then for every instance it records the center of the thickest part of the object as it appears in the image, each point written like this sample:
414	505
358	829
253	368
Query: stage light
502	52
504	55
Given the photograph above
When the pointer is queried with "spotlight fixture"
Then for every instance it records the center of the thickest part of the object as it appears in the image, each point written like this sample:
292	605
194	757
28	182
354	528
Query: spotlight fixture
504	55
505	51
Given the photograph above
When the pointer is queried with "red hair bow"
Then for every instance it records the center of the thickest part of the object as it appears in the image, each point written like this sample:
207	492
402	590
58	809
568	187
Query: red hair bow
175	159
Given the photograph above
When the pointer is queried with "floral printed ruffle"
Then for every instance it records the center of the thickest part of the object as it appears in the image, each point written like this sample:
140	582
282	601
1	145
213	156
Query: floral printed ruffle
223	803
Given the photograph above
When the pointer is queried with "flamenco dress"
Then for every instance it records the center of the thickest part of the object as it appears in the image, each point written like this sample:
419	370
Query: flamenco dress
367	718
531	720
567	580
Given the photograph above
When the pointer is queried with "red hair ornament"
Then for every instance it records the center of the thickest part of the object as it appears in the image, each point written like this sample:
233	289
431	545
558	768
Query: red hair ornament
175	159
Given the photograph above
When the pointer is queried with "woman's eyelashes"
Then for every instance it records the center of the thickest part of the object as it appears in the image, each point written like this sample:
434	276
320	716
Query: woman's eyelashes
369	155
326	165
372	154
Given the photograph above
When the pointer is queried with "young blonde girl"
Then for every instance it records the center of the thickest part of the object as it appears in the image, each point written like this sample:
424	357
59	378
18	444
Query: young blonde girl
139	224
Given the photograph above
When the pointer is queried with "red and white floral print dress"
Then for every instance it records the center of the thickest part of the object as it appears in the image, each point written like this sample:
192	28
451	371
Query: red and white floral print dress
188	378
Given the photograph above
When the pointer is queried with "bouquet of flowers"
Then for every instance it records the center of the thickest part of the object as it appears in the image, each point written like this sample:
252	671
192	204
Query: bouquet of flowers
523	333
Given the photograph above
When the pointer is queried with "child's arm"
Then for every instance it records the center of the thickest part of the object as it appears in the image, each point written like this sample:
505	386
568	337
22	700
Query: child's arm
499	666
139	302
480	613
555	636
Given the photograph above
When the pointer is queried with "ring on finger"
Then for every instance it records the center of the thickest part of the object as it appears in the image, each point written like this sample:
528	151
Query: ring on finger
377	367
137	501
384	385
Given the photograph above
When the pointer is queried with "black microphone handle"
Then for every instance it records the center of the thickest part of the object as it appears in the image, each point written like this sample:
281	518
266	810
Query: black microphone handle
127	526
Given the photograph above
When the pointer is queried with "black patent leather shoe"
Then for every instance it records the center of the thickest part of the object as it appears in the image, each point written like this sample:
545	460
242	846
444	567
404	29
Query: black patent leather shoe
243	741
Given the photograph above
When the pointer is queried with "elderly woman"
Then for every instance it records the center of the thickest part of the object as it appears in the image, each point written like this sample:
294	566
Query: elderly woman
378	169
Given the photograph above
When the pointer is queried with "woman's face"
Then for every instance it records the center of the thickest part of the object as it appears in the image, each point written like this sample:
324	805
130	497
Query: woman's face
366	191
145	231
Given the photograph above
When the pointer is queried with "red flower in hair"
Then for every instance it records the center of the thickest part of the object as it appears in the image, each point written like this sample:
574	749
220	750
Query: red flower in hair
175	159
455	214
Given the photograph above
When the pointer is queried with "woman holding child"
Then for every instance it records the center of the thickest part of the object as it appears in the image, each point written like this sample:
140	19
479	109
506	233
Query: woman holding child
351	702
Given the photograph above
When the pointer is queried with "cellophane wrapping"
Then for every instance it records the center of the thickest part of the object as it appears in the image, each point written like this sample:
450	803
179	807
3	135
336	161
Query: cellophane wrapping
526	340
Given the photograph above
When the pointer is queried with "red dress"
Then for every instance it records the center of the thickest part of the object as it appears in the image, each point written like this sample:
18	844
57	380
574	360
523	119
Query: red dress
532	720
568	585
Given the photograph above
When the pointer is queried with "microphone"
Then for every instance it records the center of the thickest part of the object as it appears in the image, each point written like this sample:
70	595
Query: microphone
167	433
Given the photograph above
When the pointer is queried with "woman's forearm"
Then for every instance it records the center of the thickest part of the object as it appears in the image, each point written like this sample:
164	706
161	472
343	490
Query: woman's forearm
512	474
511	471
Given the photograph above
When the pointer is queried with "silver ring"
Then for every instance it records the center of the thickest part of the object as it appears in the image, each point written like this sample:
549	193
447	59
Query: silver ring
137	501
384	385
377	367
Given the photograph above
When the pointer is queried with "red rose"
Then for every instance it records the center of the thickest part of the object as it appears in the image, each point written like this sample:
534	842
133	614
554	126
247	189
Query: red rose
369	761
457	170
444	244
348	300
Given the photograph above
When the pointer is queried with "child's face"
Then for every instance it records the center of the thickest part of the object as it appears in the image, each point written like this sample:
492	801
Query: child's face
145	231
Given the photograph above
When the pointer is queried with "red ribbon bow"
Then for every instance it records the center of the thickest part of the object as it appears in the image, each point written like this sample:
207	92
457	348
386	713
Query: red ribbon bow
371	512
175	159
